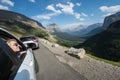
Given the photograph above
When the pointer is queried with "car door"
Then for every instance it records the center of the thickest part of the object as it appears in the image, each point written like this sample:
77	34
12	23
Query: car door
9	63
27	68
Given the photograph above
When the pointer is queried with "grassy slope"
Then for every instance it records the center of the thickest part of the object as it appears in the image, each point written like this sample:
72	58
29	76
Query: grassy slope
20	29
106	61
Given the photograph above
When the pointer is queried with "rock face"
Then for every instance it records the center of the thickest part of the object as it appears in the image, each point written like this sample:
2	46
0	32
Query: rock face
110	19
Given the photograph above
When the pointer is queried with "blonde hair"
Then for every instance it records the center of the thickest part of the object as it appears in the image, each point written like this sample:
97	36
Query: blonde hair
9	40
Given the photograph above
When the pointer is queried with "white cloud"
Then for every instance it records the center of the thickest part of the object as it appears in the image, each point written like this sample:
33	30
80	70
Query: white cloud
3	7
81	19
9	2
46	16
74	26
83	14
110	9
78	4
77	15
67	9
62	9
50	7
107	14
33	1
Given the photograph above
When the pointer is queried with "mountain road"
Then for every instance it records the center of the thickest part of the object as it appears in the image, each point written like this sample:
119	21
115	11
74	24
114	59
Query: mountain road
50	68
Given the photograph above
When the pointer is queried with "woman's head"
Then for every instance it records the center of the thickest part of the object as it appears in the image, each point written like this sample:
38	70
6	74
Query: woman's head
13	45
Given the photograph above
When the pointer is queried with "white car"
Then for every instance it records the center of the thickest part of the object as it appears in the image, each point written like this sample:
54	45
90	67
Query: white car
30	41
12	67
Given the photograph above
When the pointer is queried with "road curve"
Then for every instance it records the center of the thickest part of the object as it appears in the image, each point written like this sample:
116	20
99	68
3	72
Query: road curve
51	69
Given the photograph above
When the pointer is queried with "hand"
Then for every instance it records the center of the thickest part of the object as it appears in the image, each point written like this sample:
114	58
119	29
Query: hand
23	52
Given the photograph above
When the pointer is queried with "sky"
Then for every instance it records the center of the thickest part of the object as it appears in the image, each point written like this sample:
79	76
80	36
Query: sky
63	12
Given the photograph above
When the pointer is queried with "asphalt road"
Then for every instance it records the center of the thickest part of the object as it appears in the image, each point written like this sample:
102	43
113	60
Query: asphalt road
51	69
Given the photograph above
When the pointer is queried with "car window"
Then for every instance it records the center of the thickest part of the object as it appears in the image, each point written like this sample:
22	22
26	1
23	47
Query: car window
5	38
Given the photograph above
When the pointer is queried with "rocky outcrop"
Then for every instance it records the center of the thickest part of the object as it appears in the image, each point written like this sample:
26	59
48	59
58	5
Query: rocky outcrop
110	19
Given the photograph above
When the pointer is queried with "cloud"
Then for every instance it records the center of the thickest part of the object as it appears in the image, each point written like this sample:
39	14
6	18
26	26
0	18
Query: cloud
81	19
33	1
50	7
67	9
74	26
78	4
108	14
8	2
77	15
62	9
46	16
70	26
109	10
83	14
3	7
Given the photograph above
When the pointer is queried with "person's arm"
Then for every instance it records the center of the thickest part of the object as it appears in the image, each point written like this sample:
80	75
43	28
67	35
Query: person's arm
23	52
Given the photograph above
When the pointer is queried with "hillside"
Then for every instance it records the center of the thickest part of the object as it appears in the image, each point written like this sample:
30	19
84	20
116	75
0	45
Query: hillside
13	16
20	25
93	32
106	44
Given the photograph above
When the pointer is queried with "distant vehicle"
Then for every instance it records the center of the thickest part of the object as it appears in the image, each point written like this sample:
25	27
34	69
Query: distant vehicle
12	67
30	41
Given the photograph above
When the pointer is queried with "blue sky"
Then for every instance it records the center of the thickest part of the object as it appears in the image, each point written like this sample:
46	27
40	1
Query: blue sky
63	12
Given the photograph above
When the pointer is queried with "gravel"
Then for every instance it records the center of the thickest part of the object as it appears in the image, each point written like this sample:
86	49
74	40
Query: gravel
90	68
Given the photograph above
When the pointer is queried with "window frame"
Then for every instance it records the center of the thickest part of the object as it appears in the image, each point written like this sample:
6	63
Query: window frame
9	52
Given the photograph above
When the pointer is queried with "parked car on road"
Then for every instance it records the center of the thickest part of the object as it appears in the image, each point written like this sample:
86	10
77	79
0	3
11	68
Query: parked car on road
30	41
12	67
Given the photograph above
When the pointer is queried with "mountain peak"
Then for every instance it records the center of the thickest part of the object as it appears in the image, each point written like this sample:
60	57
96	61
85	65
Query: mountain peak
110	19
53	28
